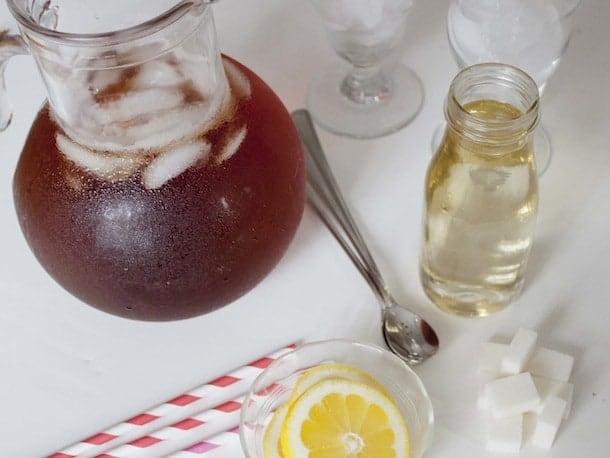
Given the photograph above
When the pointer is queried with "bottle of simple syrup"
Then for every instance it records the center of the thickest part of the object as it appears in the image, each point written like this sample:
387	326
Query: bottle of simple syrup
481	192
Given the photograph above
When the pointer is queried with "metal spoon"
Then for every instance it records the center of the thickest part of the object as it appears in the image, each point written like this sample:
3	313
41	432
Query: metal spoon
407	334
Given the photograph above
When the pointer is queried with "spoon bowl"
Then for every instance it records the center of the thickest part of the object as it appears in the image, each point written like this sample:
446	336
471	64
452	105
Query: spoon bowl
406	334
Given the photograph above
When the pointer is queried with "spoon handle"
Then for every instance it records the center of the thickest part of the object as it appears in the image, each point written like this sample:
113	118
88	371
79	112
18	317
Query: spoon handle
325	196
332	223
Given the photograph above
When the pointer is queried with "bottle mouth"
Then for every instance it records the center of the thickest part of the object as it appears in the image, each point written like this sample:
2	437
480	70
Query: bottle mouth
498	83
97	28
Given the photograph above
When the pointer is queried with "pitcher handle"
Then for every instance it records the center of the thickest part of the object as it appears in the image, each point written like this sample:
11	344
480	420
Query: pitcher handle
10	45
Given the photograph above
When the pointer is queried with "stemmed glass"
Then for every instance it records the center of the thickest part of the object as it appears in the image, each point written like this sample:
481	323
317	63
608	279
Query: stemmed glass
530	34
375	94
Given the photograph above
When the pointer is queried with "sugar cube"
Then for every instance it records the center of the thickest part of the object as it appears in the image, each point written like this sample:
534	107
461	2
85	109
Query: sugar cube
526	390
505	434
567	394
490	357
511	395
550	364
547	388
548	422
519	351
484	378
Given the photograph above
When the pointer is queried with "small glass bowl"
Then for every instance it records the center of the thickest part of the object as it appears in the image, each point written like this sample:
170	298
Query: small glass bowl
273	386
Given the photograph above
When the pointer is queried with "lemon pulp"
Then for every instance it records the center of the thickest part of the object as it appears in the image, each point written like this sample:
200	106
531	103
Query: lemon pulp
337	411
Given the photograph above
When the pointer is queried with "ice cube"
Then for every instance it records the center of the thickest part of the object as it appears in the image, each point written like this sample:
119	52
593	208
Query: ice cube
527	34
134	104
349	14
358	14
479	10
239	82
99	164
233	144
158	73
173	162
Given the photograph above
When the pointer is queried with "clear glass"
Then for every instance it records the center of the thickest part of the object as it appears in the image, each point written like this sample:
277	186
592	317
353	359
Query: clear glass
530	34
162	180
481	193
273	386
375	94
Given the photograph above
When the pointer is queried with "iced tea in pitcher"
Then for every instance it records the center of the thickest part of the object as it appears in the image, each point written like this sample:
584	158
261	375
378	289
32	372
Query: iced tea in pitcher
161	181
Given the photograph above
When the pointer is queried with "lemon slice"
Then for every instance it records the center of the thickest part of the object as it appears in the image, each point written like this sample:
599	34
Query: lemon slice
339	418
316	374
312	376
271	438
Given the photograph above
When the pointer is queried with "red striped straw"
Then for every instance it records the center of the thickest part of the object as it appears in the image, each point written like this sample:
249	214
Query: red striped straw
182	434
210	396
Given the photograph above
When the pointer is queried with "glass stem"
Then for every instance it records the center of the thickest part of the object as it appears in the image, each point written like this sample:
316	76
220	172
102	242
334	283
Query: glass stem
366	85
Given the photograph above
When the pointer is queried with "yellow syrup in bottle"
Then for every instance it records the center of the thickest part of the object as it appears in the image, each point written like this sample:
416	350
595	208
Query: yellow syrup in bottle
481	201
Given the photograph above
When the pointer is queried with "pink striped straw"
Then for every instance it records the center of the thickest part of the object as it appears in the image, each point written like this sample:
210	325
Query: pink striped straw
221	445
212	394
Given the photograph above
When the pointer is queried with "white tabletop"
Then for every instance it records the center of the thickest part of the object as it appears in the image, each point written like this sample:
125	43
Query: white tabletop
68	370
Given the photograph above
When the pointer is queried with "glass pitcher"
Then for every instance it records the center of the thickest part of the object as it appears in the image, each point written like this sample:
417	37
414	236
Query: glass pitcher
161	180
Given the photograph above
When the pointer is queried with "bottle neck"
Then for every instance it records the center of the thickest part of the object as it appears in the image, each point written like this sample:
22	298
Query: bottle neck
494	106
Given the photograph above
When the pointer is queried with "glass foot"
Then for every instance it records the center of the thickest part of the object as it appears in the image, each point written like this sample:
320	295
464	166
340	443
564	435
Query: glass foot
388	113
542	146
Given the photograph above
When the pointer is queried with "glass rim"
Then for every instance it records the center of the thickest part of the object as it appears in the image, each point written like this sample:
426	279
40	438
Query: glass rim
565	7
367	346
113	37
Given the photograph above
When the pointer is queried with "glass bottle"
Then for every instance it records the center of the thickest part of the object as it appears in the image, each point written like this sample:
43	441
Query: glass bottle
481	192
161	180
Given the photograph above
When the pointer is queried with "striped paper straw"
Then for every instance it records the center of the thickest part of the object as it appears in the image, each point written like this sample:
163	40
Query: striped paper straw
223	445
207	396
182	434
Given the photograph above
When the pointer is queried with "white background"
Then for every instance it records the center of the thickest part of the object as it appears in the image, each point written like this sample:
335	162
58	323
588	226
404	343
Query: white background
67	370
